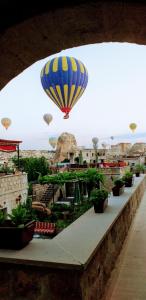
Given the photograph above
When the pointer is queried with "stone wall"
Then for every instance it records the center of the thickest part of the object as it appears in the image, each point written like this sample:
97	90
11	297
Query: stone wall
84	282
94	278
38	190
11	186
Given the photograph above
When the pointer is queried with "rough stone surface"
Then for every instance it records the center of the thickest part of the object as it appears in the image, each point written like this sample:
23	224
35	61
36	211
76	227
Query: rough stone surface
61	28
137	148
38	191
11	186
66	145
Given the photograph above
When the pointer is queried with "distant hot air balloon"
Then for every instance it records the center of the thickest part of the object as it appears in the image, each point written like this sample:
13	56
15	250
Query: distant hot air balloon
132	126
53	142
64	79
6	122
104	145
95	146
112	137
47	118
95	141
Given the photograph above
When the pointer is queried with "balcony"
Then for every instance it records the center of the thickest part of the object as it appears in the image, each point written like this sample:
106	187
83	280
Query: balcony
77	263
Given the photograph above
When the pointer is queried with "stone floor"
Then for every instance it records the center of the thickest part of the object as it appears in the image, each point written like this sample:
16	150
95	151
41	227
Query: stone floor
128	280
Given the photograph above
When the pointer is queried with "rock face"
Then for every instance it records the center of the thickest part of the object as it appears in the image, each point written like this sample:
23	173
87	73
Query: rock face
66	147
68	25
137	148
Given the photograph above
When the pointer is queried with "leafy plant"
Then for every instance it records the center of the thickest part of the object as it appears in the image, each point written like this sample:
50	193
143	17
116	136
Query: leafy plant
6	169
20	215
127	175
119	182
128	179
33	166
61	224
138	168
60	207
2	217
98	195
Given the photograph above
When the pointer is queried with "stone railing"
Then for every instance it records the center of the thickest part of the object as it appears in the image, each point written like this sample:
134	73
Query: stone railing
77	263
11	186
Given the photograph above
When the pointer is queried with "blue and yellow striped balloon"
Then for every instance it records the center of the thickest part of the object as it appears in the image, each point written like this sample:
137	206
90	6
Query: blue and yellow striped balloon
64	79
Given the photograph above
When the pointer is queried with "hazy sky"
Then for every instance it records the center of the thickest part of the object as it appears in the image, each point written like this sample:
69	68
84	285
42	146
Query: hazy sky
115	96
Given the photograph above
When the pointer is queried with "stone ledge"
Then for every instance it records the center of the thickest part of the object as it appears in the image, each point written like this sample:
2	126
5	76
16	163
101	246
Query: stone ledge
75	246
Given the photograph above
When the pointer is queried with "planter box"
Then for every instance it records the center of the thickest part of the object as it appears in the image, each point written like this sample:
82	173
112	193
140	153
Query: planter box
118	191
12	237
100	207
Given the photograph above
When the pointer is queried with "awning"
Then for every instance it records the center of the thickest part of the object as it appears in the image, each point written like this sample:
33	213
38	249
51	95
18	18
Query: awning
9	145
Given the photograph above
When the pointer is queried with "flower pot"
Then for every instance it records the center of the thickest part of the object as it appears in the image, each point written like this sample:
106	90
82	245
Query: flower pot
117	191
137	174
99	207
12	237
129	182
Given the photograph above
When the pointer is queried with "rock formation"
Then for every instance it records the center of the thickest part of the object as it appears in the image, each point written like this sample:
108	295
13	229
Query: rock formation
66	147
137	148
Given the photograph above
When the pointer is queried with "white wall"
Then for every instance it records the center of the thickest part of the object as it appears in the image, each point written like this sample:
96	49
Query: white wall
11	186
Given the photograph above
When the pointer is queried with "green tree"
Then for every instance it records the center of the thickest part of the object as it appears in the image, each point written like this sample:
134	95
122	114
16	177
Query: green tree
33	166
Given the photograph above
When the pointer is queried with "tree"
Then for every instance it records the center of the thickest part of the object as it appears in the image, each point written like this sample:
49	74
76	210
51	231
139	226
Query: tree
33	166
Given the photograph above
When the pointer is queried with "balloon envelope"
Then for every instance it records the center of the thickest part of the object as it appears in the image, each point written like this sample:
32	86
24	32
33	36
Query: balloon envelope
112	137
95	140
64	79
6	122
132	126
104	145
47	118
53	141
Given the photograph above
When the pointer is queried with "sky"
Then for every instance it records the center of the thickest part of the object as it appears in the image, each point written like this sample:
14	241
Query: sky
115	96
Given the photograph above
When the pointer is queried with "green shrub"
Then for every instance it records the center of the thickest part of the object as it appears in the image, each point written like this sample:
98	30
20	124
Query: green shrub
20	215
2	217
127	175
138	168
98	195
119	182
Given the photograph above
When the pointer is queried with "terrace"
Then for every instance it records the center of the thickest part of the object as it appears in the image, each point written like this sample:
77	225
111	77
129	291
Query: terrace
77	263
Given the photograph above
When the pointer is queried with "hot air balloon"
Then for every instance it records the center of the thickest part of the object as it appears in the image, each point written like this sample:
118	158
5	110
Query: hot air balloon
95	141
47	118
104	145
6	122
64	79
53	142
132	126
112	137
95	146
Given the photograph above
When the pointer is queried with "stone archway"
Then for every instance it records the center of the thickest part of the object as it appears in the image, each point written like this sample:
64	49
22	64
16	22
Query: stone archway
69	26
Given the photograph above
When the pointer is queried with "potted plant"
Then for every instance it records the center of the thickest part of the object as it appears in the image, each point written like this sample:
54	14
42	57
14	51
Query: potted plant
16	229
128	179
99	198
138	168
118	188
